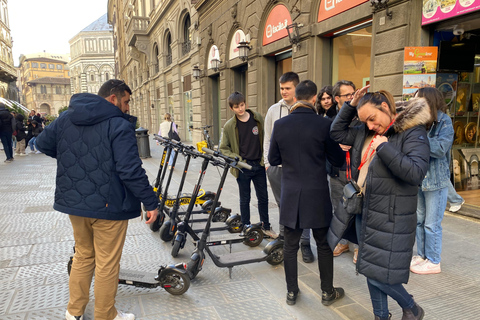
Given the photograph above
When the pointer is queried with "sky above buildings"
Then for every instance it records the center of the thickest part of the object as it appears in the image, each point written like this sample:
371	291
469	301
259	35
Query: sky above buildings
48	25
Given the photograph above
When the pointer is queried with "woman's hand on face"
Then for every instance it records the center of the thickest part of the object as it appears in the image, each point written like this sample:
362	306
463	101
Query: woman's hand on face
378	140
358	95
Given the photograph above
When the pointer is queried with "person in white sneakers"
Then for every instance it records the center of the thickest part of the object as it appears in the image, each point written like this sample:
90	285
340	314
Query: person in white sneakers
432	194
456	200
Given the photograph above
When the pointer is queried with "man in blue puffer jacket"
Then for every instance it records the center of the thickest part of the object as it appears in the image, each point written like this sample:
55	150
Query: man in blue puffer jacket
100	184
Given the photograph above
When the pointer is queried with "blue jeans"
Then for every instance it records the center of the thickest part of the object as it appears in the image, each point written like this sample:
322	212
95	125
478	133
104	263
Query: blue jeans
6	138
379	292
430	209
453	197
259	178
33	142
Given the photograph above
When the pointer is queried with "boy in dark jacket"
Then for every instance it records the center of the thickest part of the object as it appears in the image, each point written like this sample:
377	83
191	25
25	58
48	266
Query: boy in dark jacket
20	135
100	184
6	130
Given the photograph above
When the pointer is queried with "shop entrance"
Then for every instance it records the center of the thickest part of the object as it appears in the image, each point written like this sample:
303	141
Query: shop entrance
283	63
216	108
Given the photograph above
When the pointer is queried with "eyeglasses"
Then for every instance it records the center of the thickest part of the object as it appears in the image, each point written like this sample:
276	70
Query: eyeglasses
348	95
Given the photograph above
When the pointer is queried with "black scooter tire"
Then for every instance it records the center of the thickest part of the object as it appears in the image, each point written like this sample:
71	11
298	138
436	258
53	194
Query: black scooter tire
275	256
177	245
157	224
220	216
165	231
253	238
179	282
235	224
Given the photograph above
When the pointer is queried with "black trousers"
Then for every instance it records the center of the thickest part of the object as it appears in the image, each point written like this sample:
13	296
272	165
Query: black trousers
324	254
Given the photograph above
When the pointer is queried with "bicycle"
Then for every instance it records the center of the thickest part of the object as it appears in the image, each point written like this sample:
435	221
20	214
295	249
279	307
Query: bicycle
207	141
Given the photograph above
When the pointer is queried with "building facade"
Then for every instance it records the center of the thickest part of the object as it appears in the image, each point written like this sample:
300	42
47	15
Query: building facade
92	57
8	74
45	82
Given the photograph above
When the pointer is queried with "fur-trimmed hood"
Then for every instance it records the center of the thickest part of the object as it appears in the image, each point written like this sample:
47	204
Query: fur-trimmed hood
412	113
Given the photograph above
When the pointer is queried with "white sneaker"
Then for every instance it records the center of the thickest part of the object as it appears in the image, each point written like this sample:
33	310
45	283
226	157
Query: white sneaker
416	260
426	267
456	207
38	152
68	316
124	316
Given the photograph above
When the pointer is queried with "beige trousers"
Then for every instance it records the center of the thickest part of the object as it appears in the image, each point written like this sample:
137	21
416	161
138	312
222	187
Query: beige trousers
98	247
20	147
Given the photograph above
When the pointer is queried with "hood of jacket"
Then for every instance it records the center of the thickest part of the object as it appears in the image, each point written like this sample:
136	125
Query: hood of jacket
415	112
87	109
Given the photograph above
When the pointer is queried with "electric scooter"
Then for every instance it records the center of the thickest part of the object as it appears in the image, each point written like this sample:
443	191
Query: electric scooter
173	278
220	214
273	252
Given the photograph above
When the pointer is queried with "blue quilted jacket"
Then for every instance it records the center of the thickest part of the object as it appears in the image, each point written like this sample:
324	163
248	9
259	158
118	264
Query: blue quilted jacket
99	172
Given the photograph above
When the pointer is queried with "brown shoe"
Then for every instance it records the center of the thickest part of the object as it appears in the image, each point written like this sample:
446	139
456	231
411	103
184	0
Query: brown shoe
339	249
355	255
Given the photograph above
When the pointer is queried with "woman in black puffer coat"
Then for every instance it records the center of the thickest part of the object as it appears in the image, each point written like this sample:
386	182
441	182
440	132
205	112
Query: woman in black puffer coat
389	159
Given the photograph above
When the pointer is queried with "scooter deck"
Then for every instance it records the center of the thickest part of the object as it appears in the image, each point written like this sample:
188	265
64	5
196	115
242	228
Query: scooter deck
239	258
138	278
225	237
215	226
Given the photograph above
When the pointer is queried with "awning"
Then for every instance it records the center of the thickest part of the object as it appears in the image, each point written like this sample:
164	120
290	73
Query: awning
10	104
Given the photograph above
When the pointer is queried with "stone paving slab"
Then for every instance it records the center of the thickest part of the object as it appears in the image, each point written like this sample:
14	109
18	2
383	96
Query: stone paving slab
36	243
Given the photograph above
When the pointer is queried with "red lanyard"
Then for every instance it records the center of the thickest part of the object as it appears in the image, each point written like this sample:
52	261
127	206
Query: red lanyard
348	173
366	157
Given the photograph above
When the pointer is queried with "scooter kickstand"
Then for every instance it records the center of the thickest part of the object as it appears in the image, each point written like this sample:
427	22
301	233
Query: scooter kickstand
230	272
230	247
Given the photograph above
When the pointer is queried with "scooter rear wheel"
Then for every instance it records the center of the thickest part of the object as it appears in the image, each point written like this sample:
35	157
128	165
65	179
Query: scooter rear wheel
276	255
157	224
220	216
253	238
175	283
165	231
235	224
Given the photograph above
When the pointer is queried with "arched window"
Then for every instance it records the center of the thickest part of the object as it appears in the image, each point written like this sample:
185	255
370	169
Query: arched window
187	37
169	50
155	59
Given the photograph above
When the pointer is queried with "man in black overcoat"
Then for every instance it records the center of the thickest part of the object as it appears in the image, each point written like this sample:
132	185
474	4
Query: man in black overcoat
301	143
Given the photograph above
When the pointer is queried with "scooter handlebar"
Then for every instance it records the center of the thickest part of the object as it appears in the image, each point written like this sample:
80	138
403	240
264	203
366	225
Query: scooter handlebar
239	164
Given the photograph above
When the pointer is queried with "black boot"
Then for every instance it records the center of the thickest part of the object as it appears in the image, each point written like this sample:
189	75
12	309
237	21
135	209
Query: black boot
307	253
292	297
416	313
329	298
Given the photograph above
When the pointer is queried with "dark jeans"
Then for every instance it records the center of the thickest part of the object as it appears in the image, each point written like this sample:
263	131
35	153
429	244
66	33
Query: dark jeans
324	253
379	292
274	174
259	178
6	138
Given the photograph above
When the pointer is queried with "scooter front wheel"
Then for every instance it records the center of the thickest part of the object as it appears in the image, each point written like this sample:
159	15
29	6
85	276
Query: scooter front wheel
234	224
220	216
253	238
157	224
275	256
176	247
175	283
165	231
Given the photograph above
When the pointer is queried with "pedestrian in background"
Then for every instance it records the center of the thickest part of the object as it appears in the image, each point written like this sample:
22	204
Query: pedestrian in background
100	184
163	131
21	135
243	138
432	194
288	82
37	129
301	143
7	126
389	159
326	105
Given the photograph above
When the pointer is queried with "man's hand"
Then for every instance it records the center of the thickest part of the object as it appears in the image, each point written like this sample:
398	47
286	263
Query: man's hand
345	147
152	216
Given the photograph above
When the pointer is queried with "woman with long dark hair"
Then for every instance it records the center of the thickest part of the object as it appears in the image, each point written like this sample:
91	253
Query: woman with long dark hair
389	159
432	194
326	105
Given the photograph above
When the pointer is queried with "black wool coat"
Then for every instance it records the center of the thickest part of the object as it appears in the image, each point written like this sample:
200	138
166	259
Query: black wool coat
301	143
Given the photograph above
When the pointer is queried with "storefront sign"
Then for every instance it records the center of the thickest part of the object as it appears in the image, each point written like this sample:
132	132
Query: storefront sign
276	25
330	8
419	69
437	10
238	36
213	54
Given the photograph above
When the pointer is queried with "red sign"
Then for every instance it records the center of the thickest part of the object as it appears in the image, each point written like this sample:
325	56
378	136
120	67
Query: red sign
330	8
276	25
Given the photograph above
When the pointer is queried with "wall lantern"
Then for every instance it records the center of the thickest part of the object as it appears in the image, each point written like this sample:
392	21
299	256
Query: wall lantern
196	72
294	33
380	5
243	48
215	64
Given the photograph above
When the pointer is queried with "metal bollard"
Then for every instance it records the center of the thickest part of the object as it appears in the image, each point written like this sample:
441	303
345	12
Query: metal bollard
143	143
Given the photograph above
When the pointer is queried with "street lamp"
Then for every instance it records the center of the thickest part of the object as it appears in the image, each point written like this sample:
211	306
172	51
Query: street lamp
243	48
215	64
380	5
196	72
294	33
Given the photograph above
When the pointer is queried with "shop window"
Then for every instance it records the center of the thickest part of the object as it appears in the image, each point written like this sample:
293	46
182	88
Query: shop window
283	64
351	56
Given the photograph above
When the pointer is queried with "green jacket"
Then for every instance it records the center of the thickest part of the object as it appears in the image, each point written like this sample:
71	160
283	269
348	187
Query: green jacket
229	144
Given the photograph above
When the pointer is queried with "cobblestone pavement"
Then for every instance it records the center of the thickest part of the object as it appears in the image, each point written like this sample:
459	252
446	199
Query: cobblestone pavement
36	243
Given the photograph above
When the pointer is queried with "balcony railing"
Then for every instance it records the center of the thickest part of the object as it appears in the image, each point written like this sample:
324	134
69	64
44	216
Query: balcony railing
168	59
186	47
137	26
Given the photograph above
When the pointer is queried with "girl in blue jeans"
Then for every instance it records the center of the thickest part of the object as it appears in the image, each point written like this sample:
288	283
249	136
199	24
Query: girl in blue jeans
432	195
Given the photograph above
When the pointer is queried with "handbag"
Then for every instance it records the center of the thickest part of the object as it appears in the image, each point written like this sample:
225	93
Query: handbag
352	198
172	134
